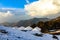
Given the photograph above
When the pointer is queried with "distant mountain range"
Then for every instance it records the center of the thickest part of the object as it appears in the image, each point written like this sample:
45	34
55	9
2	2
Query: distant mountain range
30	21
25	22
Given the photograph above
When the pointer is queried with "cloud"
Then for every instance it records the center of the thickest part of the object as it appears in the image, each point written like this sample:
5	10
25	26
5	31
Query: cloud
5	16
27	1
12	15
43	8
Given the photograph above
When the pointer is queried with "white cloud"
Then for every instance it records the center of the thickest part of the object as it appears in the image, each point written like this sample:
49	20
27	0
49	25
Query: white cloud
43	8
27	1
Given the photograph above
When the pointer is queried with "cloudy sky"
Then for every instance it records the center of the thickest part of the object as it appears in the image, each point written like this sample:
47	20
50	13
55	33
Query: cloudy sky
15	10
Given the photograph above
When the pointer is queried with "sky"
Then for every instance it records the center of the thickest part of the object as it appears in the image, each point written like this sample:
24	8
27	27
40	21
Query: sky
16	10
13	10
14	3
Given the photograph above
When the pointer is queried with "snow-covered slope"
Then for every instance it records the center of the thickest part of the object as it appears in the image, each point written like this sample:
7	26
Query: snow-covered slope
14	34
8	33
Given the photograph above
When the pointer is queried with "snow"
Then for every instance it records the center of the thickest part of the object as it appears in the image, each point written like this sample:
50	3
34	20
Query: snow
16	34
21	28
36	30
28	28
58	36
47	37
14	27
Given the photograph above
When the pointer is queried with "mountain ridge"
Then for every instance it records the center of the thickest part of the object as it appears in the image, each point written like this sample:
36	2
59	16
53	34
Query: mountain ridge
26	22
